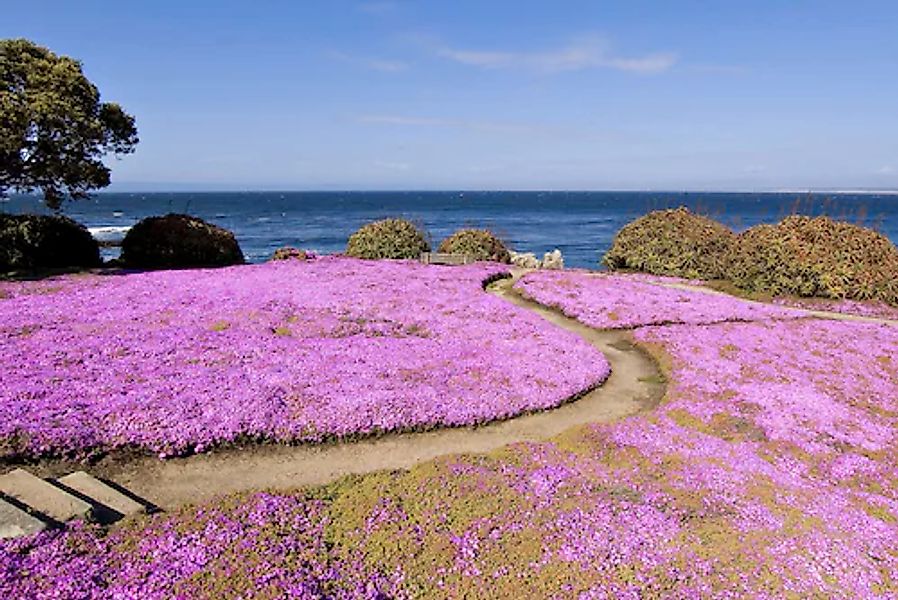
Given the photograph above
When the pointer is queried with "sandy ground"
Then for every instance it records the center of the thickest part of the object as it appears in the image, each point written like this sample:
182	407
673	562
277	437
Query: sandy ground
634	385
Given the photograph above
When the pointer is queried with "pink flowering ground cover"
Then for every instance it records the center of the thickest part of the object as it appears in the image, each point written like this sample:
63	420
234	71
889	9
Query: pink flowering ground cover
623	301
879	310
263	546
770	470
290	351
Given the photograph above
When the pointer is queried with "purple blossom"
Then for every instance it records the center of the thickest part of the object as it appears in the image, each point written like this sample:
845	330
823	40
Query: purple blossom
266	546
623	301
871	308
180	361
769	470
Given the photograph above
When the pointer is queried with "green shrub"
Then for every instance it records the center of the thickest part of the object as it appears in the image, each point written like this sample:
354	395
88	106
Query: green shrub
175	241
806	256
388	238
478	243
291	253
30	242
675	242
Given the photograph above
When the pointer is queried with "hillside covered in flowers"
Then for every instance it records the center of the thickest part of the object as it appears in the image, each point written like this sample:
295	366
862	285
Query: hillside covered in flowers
768	471
175	362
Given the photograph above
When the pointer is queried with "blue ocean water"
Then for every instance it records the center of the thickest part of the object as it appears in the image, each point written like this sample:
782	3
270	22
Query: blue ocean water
580	224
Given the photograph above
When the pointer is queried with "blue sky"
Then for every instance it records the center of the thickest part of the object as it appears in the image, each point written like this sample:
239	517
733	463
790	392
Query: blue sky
471	94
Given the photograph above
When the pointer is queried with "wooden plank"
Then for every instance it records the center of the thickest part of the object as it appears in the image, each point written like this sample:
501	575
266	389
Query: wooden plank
103	494
443	258
43	497
15	522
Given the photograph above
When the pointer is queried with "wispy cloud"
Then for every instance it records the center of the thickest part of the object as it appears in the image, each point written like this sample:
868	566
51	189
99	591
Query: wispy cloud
522	128
400	120
886	170
590	52
492	126
372	62
392	165
388	66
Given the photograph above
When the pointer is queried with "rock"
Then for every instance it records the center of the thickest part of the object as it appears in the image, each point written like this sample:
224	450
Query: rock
526	260
553	260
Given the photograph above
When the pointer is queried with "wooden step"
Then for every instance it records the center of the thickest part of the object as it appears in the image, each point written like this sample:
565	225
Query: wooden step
43	497
15	522
109	498
443	258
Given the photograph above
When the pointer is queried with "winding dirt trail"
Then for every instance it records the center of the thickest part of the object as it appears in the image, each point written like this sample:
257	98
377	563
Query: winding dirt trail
634	385
703	289
811	312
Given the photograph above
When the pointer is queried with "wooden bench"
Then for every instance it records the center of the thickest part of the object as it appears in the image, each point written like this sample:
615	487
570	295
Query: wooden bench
442	258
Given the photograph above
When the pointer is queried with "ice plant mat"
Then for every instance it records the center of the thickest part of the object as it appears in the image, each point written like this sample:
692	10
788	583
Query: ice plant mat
178	362
768	471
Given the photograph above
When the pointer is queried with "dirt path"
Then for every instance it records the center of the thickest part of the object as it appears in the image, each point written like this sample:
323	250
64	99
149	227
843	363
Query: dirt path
820	314
634	385
811	312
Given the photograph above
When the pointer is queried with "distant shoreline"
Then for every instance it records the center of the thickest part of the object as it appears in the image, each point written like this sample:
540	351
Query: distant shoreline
843	192
213	190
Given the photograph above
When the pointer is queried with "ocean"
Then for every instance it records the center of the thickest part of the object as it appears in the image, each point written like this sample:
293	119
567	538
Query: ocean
580	224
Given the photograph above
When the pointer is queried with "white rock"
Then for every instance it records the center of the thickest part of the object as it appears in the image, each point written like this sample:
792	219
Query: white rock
526	260
553	260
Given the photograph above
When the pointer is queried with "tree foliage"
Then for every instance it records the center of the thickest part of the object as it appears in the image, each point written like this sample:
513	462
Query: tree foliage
54	131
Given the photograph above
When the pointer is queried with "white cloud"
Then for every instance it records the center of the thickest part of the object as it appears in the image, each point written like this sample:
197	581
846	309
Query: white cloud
492	60
886	170
400	120
388	66
492	126
568	132
585	53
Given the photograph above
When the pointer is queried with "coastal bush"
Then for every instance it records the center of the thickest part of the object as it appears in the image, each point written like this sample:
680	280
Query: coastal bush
176	241
388	238
481	244
674	242
289	252
806	256
41	241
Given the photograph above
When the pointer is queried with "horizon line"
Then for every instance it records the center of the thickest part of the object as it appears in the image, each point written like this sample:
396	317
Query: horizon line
288	190
212	190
